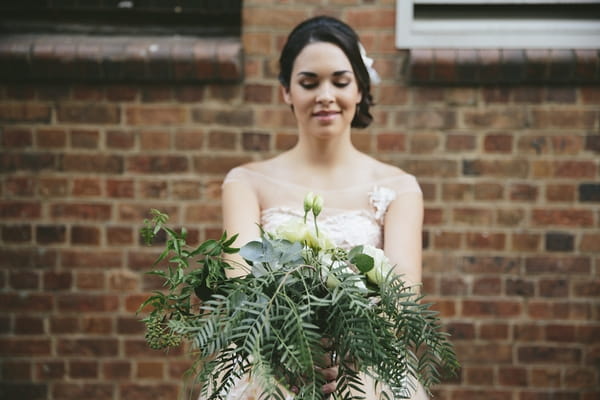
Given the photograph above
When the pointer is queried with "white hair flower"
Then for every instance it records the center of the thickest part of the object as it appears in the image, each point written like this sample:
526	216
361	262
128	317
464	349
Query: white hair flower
375	79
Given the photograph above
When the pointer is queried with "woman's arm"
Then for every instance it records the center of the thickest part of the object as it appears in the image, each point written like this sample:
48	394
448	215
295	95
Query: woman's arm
241	215
403	228
403	245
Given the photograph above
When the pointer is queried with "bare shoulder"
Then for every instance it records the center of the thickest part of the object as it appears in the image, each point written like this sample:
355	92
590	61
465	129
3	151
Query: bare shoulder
263	166
248	173
381	170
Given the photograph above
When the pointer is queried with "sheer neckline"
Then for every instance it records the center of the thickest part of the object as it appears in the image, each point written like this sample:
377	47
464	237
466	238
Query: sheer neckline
378	182
337	211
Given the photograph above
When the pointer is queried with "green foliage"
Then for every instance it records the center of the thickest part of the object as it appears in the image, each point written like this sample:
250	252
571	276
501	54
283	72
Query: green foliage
180	281
272	323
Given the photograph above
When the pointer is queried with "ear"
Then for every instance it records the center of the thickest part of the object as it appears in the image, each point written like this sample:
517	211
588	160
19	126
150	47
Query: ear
285	91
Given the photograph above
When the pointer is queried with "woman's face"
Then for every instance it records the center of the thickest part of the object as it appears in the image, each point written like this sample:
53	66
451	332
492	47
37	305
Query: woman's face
323	90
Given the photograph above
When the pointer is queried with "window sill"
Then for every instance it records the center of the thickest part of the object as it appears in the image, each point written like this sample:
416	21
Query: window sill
506	66
33	57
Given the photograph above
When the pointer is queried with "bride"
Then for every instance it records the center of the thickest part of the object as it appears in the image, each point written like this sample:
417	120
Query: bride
326	84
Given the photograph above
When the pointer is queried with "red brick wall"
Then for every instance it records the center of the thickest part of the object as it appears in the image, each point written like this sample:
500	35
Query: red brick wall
510	176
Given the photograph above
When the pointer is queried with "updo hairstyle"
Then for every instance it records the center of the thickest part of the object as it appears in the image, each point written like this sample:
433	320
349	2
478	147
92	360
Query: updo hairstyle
331	30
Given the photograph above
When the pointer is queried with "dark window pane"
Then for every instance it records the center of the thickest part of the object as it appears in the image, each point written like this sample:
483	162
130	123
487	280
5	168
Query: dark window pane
144	17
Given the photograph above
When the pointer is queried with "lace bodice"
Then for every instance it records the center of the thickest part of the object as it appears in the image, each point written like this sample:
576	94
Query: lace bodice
351	216
346	228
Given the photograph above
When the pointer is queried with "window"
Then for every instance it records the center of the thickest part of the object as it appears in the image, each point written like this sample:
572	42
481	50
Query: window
547	24
130	17
121	40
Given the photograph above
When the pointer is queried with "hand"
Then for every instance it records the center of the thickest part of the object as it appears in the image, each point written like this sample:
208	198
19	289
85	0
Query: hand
330	374
330	369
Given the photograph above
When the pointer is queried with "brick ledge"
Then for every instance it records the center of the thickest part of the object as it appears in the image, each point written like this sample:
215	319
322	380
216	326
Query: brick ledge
120	58
503	66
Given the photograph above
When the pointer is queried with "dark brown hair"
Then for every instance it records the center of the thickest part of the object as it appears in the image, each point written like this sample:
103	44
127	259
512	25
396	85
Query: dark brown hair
331	30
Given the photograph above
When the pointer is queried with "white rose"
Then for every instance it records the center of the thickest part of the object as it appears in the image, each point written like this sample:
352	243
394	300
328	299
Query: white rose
293	230
381	264
360	284
321	242
328	266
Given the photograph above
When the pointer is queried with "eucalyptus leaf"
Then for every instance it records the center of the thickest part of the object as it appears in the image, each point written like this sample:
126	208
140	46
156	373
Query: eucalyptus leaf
259	269
292	253
278	253
252	251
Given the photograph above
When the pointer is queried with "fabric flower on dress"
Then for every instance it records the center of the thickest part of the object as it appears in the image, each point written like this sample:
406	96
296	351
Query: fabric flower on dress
380	198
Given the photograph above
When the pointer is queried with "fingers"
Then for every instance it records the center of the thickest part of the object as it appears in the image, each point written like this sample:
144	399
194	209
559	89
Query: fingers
329	387
330	374
327	343
326	361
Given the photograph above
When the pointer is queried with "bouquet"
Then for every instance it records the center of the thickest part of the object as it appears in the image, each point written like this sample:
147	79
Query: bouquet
304	304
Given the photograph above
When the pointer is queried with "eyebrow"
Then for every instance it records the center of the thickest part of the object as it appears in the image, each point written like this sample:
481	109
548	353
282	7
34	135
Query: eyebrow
314	75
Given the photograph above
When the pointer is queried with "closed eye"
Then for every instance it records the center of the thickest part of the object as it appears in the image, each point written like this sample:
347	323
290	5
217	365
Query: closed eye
310	80
309	85
341	84
313	85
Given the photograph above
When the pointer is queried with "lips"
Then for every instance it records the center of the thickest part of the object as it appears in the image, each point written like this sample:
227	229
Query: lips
325	114
326	117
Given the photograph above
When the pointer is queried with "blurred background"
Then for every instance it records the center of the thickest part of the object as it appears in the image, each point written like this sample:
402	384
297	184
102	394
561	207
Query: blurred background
110	108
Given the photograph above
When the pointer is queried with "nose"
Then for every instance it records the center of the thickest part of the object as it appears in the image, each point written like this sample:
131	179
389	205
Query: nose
325	94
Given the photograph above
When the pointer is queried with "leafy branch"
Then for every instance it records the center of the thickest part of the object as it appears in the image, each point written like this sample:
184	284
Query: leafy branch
181	282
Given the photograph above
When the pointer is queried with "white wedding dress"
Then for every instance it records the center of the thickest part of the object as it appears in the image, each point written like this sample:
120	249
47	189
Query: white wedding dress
350	217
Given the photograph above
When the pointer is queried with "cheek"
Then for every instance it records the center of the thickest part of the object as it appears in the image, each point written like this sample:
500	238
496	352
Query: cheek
357	96
303	100
351	100
352	96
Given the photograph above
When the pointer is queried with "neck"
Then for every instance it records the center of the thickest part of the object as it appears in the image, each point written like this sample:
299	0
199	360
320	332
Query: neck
325	153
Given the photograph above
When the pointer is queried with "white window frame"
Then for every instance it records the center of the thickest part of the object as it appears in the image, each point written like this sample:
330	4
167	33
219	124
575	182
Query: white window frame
494	33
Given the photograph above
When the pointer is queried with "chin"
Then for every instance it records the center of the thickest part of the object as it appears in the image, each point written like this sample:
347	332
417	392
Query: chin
327	135
331	130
